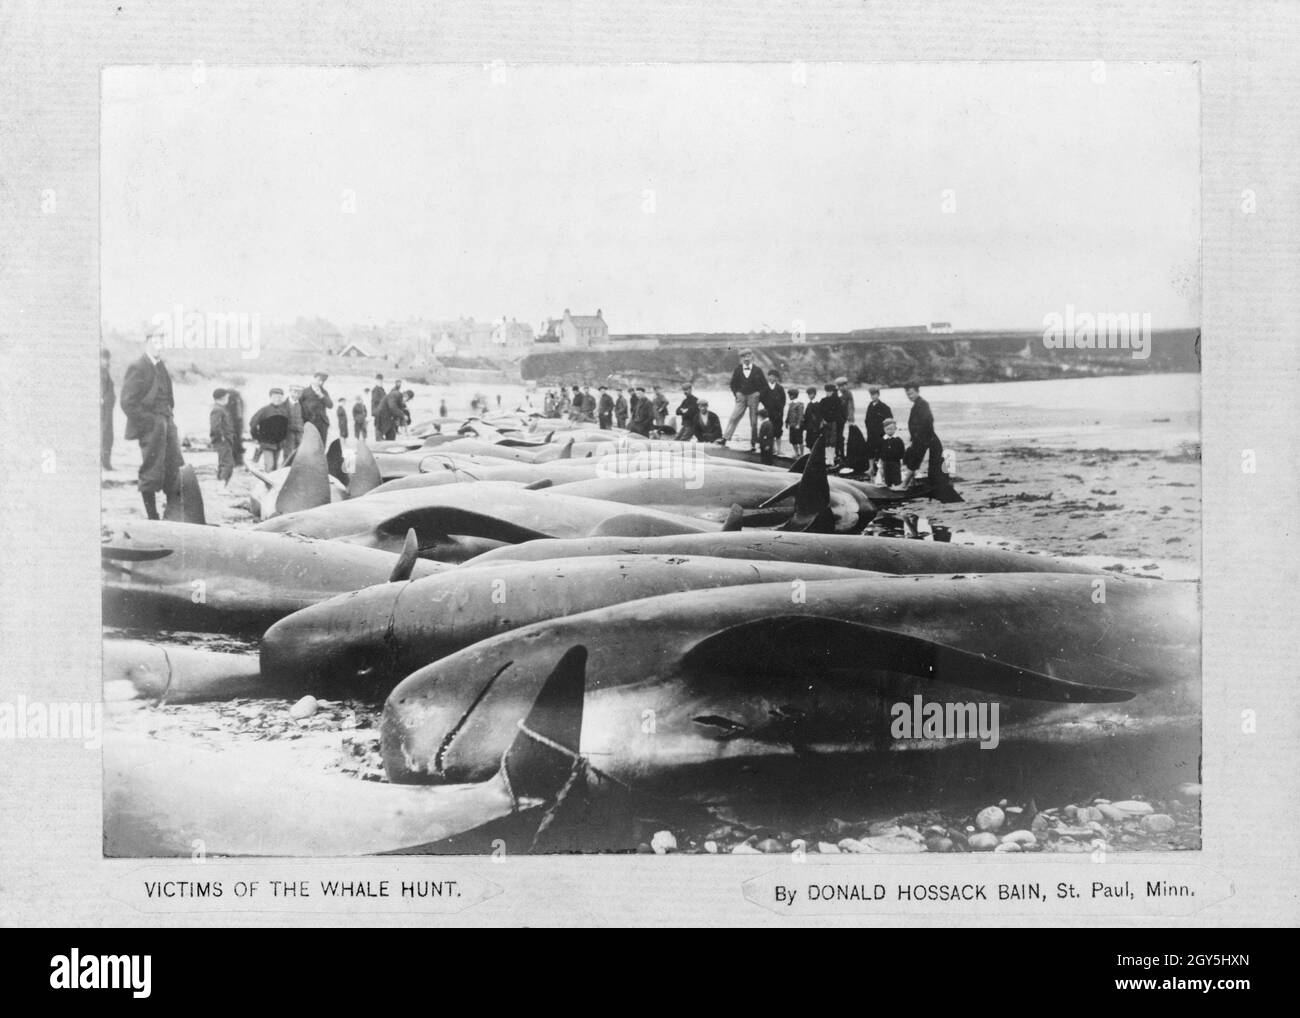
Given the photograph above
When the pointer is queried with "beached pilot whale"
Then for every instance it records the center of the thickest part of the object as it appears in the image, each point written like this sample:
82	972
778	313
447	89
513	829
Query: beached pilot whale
364	643
458	521
877	554
174	673
160	797
749	678
178	576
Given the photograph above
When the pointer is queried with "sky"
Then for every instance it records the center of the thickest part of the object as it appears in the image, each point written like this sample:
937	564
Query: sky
676	198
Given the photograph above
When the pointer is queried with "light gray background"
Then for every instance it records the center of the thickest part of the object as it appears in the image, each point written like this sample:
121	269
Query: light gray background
50	866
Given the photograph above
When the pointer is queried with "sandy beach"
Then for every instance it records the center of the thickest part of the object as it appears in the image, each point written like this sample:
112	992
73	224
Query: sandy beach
1041	470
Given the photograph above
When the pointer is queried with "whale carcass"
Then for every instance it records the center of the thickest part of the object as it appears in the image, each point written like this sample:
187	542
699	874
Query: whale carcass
458	521
365	642
161	798
161	575
734	678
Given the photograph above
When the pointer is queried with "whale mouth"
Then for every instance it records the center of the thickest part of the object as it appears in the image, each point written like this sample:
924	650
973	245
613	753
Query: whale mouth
436	730
440	757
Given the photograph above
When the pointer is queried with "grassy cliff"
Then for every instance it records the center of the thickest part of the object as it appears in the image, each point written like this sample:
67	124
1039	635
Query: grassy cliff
972	357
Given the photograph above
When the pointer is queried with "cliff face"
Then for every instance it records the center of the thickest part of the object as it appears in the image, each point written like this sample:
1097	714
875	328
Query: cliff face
994	357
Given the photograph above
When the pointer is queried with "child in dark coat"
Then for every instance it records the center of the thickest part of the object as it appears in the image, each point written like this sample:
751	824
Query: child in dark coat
891	454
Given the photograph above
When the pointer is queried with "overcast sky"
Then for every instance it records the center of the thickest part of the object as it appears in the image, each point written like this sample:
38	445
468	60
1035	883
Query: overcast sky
674	197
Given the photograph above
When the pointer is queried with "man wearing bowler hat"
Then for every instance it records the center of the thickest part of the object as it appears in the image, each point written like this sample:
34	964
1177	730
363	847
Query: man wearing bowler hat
315	401
148	402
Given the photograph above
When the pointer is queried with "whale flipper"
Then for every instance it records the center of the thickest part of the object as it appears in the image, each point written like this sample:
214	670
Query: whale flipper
784	644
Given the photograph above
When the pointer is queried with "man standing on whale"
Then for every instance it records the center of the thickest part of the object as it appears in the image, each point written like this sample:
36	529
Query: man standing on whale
148	402
749	386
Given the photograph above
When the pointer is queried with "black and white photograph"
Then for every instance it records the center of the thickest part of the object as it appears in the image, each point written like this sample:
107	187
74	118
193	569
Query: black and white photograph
814	464
793	458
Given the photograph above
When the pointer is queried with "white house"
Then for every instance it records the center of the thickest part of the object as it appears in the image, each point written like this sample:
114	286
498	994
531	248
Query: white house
582	330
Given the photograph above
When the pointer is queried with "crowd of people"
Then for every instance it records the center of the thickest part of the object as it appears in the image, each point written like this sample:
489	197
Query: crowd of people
148	401
775	413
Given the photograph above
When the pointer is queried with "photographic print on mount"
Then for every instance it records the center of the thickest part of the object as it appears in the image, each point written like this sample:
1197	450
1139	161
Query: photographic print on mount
691	458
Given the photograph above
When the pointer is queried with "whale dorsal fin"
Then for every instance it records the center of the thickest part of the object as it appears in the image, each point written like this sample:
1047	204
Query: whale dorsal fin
186	506
365	472
410	554
812	497
308	483
542	756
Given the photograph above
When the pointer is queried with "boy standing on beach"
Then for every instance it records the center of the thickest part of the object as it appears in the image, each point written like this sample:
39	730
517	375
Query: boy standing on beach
222	436
891	455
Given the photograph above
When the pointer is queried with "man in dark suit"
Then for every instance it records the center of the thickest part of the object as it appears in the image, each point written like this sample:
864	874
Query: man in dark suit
393	411
606	410
315	401
643	415
921	438
687	410
148	402
706	427
749	386
107	397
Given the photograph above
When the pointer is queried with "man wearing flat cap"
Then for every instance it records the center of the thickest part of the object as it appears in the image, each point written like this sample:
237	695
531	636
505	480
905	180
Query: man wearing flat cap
749	386
315	401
